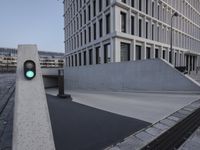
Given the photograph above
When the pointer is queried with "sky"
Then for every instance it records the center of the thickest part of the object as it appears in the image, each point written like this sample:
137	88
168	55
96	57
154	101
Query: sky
38	22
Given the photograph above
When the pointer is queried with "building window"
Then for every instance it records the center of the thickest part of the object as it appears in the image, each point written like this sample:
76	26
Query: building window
100	28
72	60
147	6
75	59
140	5
152	32
81	20
80	60
148	52
132	3
140	27
107	2
100	5
69	61
89	13
81	38
156	53
107	53
125	52
84	16
124	1
153	5
147	29
138	52
94	8
132	25
90	57
98	58
84	58
164	54
158	33
94	30
107	23
89	34
123	22
85	36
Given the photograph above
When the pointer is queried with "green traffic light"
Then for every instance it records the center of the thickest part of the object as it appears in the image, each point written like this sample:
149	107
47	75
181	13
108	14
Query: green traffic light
29	74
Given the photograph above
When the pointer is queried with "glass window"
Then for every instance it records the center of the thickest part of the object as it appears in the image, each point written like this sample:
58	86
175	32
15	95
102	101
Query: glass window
125	51
123	22
107	53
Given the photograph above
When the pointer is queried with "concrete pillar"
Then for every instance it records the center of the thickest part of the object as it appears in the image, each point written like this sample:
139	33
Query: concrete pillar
153	51
32	126
167	54
133	51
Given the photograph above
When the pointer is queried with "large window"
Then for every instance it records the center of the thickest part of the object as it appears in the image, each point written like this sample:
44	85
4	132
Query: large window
94	30
140	5
156	53
100	5
107	23
124	1
148	52
100	28
123	22
132	25
94	8
140	27
79	56
107	53
107	2
84	58
164	54
132	3
89	34
138	52
147	6
75	59
147	29
98	59
152	34
89	13
125	51
90	57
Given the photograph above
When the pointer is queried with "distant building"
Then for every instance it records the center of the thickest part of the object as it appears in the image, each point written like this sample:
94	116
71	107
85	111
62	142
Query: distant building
108	31
8	59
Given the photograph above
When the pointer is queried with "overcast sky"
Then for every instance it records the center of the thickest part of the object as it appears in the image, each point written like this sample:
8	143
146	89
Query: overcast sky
32	22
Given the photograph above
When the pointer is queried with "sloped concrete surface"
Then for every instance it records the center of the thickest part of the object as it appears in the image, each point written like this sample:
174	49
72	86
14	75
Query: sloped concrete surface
150	107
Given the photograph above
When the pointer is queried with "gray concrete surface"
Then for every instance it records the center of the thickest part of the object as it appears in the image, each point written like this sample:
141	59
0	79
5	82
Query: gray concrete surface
150	107
79	127
32	126
143	75
6	115
193	143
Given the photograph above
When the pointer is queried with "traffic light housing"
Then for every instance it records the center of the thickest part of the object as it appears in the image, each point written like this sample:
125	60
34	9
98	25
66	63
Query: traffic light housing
29	69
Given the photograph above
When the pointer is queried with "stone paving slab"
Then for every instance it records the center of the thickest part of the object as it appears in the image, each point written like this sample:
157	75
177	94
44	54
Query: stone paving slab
147	135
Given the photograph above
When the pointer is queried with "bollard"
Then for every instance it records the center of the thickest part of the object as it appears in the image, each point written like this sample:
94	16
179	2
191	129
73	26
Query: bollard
61	89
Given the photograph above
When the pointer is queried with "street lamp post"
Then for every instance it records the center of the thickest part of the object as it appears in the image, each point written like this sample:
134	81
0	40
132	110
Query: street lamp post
171	39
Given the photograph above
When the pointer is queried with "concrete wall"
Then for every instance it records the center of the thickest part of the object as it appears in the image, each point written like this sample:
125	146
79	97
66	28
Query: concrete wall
148	75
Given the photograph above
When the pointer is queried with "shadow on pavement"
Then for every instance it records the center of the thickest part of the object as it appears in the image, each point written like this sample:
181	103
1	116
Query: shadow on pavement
79	127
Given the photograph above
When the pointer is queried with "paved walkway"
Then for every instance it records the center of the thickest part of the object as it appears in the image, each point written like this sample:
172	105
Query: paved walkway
79	127
150	107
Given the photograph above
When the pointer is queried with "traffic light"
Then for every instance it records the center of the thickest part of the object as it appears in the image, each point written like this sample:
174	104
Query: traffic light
29	69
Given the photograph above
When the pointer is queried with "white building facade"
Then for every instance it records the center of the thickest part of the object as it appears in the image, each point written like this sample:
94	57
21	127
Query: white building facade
108	31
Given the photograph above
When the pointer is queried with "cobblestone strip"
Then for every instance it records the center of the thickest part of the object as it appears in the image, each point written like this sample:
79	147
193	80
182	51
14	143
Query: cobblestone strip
143	137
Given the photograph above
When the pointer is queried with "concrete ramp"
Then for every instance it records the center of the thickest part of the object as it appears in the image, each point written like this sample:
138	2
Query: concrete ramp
32	127
144	75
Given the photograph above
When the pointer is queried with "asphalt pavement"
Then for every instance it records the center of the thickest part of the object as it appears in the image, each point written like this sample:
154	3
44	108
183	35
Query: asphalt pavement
80	127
